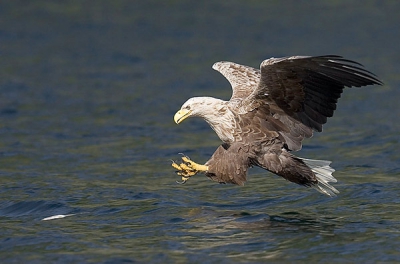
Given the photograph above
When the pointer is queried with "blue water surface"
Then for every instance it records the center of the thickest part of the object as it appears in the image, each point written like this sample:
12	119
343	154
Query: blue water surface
88	94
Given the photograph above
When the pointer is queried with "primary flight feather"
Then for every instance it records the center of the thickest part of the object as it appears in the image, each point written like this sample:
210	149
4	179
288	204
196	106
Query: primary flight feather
269	114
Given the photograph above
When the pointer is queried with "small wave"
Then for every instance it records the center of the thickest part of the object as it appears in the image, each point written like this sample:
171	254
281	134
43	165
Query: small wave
56	217
37	209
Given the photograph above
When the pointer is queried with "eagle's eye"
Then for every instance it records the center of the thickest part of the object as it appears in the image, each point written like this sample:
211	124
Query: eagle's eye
187	107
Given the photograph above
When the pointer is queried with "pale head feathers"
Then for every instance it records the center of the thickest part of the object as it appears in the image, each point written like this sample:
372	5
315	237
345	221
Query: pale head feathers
214	111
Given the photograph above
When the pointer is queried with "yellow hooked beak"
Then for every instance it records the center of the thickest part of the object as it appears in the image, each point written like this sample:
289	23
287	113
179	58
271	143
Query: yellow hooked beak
181	115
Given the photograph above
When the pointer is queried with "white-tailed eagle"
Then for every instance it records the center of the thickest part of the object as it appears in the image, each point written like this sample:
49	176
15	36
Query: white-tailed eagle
269	114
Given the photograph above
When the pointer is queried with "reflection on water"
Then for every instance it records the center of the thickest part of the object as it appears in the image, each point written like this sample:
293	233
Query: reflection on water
88	93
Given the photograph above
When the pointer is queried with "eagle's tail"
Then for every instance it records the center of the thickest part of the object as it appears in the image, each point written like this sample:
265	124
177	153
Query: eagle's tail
323	172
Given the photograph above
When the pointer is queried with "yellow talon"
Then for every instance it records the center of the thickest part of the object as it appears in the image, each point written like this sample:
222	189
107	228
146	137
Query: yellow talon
176	166
188	168
186	159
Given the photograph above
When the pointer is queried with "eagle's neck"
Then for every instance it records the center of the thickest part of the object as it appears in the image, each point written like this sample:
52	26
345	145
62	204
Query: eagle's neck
221	119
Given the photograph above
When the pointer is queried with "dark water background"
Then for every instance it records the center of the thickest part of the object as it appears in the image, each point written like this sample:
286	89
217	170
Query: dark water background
88	91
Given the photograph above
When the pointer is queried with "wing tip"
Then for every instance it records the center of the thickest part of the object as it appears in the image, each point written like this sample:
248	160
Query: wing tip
219	64
216	65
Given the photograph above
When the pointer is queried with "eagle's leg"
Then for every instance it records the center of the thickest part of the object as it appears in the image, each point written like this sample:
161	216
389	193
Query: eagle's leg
188	168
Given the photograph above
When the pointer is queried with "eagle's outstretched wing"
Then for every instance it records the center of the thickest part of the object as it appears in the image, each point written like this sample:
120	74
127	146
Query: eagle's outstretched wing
307	88
299	92
243	79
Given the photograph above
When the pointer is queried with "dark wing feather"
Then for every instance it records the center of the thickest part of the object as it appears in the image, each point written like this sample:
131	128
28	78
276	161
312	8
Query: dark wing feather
243	79
307	88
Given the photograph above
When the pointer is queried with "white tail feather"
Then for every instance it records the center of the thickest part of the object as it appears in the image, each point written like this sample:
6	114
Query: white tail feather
323	172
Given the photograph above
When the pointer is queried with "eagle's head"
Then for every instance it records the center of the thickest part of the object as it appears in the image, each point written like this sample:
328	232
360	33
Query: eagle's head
205	107
214	111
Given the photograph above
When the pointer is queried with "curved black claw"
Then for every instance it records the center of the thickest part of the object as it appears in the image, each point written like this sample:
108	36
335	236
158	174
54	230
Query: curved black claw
184	155
182	182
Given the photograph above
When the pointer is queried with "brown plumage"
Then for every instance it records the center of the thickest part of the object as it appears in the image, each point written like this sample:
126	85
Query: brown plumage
271	111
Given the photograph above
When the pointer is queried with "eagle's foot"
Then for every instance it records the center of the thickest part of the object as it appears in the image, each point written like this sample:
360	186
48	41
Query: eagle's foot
188	168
